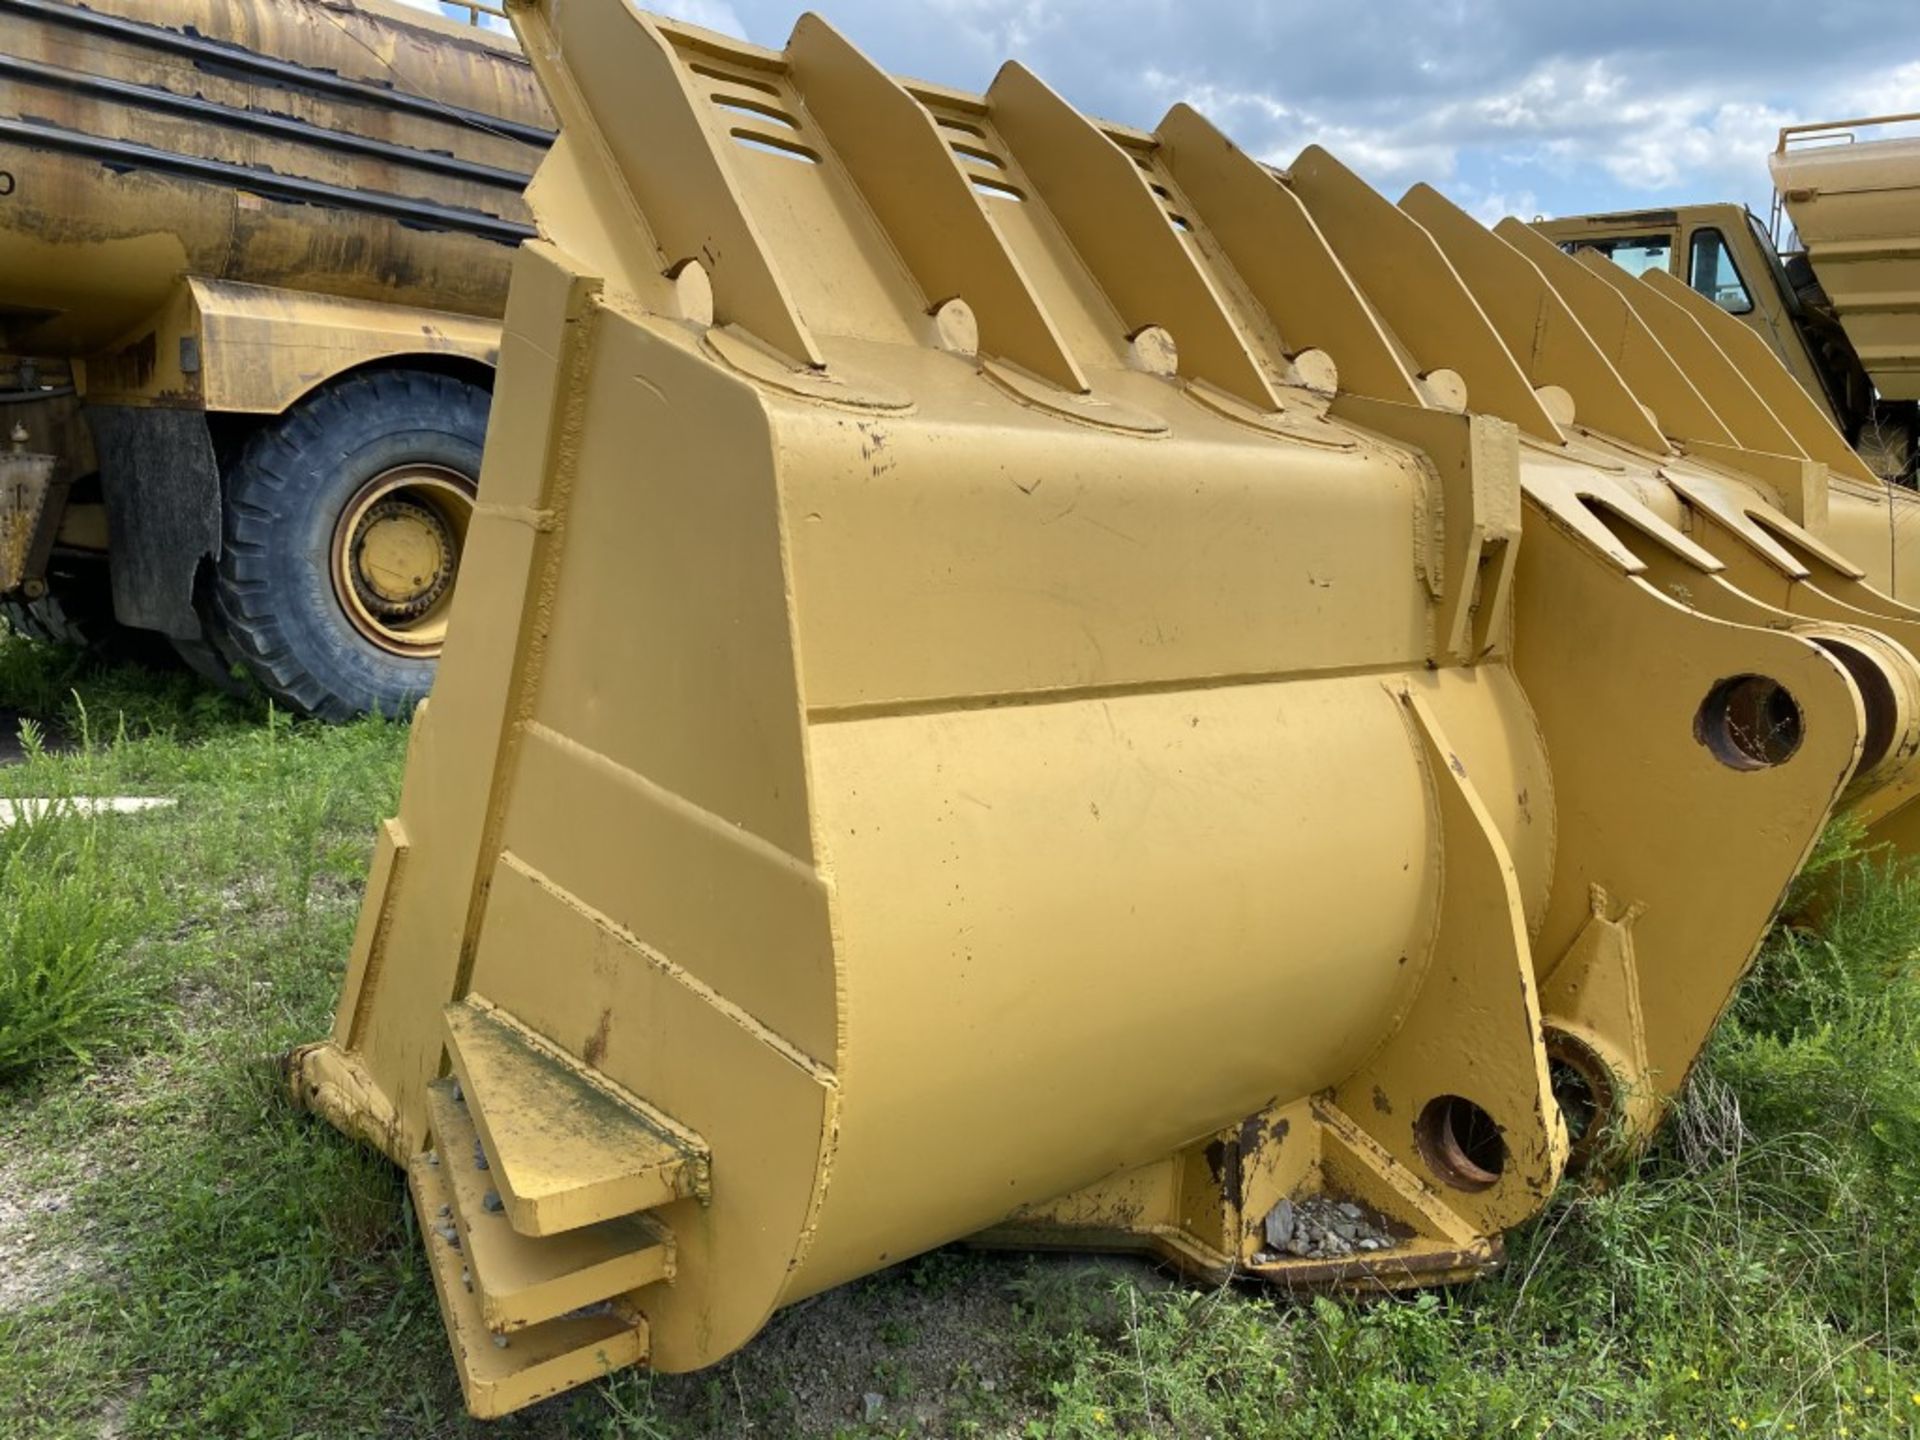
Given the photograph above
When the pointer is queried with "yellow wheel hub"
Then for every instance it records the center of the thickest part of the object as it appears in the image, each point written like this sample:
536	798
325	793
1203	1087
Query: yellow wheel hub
401	558
396	554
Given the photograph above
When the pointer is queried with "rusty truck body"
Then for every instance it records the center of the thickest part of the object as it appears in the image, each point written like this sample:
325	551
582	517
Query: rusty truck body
252	262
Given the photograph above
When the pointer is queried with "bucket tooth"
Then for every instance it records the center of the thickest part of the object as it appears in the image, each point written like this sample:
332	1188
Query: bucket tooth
502	1373
565	1148
522	1280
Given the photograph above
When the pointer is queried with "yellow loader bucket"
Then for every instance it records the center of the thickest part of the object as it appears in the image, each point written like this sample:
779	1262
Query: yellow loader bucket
1028	679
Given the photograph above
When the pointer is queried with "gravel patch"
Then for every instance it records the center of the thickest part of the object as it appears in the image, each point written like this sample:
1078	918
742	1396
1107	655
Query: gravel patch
1323	1227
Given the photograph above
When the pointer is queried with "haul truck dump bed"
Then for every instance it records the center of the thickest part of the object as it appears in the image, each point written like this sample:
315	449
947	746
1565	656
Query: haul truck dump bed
269	243
1855	204
1031	679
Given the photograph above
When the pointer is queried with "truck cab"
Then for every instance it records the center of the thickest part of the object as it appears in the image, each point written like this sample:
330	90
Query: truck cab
1725	253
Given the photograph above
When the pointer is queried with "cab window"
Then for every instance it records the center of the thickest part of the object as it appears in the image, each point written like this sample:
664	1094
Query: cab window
1635	254
1711	271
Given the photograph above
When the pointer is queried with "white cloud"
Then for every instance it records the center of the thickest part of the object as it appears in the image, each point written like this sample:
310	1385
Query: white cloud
1009	27
1491	206
1384	155
711	15
1895	91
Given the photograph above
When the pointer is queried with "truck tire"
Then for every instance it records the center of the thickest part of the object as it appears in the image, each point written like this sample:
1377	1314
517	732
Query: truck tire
77	612
214	659
345	519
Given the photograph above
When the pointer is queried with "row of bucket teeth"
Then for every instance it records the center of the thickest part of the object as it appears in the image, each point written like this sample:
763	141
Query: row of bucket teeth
538	1278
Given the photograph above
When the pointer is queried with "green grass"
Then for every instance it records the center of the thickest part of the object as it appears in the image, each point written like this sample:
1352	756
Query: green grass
181	1254
66	930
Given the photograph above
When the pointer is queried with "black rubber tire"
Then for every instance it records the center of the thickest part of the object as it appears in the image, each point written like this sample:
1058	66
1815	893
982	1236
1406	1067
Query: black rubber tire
77	612
274	590
213	664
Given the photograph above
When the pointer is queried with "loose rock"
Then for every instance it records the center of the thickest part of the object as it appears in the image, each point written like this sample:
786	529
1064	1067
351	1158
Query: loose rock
1280	1225
1321	1228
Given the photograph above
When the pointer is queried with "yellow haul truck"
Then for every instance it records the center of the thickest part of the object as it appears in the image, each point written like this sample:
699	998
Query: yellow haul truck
1841	308
252	259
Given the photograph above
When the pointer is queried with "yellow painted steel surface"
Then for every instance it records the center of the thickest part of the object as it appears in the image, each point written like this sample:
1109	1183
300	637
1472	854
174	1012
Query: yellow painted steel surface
1728	264
1872	528
130	163
1763	297
1856	207
26	484
992	707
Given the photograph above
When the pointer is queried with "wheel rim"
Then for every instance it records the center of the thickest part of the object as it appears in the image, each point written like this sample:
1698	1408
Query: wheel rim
396	556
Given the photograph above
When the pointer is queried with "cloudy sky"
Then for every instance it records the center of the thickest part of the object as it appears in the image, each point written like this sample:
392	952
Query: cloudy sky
1510	106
